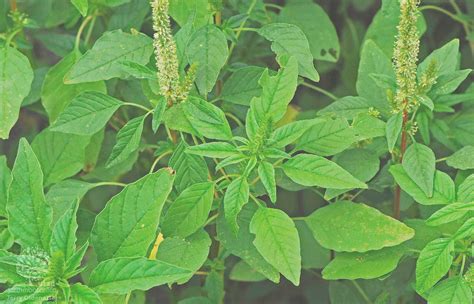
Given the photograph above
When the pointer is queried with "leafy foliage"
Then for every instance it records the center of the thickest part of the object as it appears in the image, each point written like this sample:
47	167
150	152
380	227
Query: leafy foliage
313	151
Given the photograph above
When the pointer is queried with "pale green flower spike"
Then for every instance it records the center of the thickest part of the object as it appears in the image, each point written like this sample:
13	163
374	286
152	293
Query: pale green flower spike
171	87
405	56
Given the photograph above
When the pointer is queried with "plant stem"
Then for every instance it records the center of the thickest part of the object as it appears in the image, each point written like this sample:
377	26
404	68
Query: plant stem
362	292
320	90
403	146
444	11
136	105
13	6
209	220
80	30
109	184
275	6
157	160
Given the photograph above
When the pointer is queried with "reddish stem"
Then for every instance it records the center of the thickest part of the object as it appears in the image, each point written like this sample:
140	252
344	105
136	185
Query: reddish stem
403	147
13	5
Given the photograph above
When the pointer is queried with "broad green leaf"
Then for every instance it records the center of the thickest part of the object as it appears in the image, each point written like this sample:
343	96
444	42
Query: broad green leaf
276	238
63	237
452	290
195	11
81	294
347	107
465	231
111	3
363	164
158	114
462	159
123	275
56	95
87	114
29	215
137	70
466	190
60	155
313	255
419	164
236	196
289	133
366	126
450	213
74	262
373	61
366	265
348	226
189	253
327	137
16	76
102	61
242	245
128	141
443	190
207	119
322	37
393	130
82	6
63	195
175	119
242	85
266	172
433	263
128	223
448	83
312	170
28	293
8	272
189	211
446	58
214	150
288	39
242	272
190	169
208	49
277	92
5	180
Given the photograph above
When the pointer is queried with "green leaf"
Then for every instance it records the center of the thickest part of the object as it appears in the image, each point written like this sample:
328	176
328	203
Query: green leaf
465	231
462	159
446	58
128	223
236	196
327	137
87	114
81	294
266	172
366	265
288	39
102	61
313	255
242	272
348	226
158	114
433	263
277	92
16	76
207	119
82	6
137	70
452	290
56	95
123	275
189	253
419	164
443	191
312	170
289	133
347	107
128	141
5	180
241	244
366	127
189	211
175	119
190	169
393	129
63	237
29	215
448	83
242	85
450	213
214	150
374	61
60	155
195	11
322	38
466	190
208	49
276	238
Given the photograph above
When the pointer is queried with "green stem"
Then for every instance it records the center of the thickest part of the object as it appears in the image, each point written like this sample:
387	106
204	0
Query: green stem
80	30
242	25
109	184
234	118
157	160
245	29
89	30
272	5
131	104
256	200
320	90
212	218
444	11
362	292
